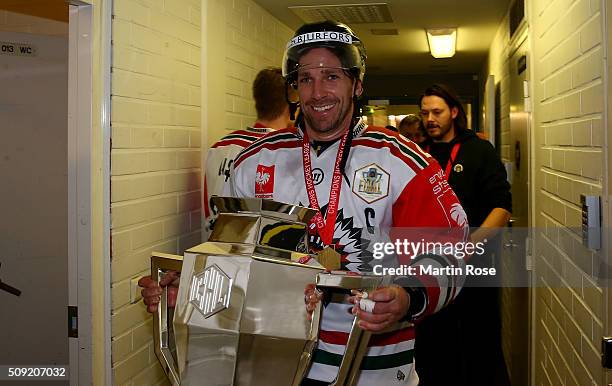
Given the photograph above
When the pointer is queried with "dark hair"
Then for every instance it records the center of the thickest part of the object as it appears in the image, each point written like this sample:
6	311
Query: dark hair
409	120
269	93
452	100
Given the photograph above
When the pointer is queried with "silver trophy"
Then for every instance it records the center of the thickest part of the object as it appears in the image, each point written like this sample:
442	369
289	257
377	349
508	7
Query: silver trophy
240	317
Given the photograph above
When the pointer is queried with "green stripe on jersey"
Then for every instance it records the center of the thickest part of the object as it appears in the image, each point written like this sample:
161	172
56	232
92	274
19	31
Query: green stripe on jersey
241	136
272	139
369	362
409	152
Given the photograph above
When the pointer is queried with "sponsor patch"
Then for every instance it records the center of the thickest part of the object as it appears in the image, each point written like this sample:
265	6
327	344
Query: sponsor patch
264	181
371	183
323	36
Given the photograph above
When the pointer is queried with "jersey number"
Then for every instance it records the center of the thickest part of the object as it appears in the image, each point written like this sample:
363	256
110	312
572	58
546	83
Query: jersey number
224	168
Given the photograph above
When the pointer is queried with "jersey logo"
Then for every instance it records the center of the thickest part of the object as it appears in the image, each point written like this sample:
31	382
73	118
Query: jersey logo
264	181
448	201
371	183
400	376
458	215
317	176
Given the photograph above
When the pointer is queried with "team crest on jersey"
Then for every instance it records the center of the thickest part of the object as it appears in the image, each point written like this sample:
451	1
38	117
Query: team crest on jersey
371	183
264	181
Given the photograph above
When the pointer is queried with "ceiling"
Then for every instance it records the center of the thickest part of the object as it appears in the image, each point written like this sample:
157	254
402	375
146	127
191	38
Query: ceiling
407	52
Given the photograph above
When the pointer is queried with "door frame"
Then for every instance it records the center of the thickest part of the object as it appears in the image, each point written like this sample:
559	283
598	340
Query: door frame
89	189
79	189
606	218
89	212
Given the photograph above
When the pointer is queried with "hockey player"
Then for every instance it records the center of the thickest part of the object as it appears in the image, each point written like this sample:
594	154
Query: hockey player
363	181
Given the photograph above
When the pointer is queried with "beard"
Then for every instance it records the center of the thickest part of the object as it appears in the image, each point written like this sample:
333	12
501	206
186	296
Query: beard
331	124
436	131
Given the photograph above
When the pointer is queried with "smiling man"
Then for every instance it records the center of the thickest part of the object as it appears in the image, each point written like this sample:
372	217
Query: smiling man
362	181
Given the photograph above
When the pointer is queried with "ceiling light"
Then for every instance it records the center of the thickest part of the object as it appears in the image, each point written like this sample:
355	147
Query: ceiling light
442	42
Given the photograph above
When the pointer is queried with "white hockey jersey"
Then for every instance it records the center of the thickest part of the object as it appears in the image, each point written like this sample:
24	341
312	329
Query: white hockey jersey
387	182
218	163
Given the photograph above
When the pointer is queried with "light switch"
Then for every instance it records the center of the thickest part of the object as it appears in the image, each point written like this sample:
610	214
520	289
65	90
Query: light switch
135	295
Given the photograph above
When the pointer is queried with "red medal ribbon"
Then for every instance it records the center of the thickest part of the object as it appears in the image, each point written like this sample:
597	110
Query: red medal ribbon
326	226
451	160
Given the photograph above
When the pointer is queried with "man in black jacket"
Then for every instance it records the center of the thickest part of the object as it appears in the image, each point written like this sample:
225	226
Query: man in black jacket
469	350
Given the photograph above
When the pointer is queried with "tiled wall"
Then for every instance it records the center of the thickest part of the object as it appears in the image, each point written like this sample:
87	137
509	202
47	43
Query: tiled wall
155	161
568	116
568	106
157	139
242	38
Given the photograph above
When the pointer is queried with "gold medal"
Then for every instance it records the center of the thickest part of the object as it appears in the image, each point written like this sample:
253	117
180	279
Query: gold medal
329	258
458	168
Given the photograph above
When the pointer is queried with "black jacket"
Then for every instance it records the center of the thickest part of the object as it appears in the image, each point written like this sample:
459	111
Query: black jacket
480	182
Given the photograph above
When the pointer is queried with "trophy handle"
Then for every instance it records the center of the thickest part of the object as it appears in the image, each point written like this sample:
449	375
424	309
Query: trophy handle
306	358
163	333
357	343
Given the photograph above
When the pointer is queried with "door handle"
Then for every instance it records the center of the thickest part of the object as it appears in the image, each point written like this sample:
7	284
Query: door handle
10	289
510	244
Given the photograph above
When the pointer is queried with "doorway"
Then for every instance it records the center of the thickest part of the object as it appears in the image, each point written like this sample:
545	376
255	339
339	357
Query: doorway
45	228
516	309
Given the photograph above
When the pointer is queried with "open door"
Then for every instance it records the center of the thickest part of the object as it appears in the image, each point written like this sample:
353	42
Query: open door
45	227
34	188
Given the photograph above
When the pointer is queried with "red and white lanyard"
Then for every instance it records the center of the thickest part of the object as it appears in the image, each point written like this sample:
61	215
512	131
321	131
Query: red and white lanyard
451	160
325	227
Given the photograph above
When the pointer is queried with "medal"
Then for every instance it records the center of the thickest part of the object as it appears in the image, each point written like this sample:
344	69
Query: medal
329	258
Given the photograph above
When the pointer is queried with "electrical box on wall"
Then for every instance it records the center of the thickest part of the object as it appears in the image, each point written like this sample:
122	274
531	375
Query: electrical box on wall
591	221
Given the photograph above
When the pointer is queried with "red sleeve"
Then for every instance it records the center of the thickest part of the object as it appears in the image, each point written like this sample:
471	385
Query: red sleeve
428	209
428	201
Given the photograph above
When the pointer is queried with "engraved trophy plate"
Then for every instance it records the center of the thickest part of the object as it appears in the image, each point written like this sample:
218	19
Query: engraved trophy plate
240	317
210	291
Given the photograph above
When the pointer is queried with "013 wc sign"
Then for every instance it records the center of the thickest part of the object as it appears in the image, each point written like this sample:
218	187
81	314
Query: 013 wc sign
17	49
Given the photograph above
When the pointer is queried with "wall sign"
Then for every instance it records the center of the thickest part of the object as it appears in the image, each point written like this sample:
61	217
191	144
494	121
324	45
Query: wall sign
17	49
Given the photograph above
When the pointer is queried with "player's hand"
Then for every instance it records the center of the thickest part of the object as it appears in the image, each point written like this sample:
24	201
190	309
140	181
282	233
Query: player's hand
311	297
381	308
152	291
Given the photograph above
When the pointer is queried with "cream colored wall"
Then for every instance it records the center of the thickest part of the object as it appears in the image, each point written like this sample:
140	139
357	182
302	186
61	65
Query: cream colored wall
241	38
156	136
567	59
568	122
155	162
